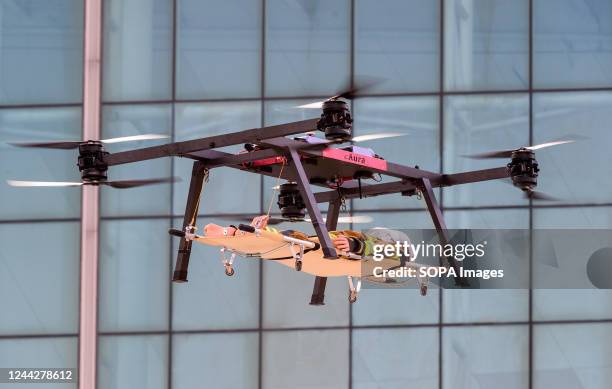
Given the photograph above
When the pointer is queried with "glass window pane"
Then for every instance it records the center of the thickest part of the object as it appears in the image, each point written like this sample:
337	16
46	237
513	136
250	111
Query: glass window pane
307	47
137	50
398	41
223	193
416	118
572	356
38	281
487	305
486	44
133	362
40	353
486	357
41	51
575	303
395	358
575	114
212	300
31	125
314	359
134	277
225	360
218	49
572	43
118	121
476	124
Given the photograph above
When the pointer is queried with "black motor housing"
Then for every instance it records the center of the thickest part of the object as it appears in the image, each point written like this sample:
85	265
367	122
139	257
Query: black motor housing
290	202
524	169
91	161
336	120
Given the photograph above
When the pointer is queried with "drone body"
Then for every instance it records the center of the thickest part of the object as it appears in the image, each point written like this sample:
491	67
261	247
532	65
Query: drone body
303	162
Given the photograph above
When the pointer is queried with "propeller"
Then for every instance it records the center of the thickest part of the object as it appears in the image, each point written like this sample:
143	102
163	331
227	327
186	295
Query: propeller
380	135
123	184
363	84
530	193
508	153
360	219
67	145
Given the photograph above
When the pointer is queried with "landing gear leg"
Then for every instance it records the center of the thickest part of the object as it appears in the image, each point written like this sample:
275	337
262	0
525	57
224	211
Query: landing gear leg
353	291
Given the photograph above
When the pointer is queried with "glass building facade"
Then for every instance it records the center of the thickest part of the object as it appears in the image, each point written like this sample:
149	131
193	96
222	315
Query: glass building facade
457	77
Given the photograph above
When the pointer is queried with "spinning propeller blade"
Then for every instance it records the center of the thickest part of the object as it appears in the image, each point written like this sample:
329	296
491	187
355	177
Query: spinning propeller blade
508	153
124	184
67	145
380	135
32	184
115	184
536	195
362	84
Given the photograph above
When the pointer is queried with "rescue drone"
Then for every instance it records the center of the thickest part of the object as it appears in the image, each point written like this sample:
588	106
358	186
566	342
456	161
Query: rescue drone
302	161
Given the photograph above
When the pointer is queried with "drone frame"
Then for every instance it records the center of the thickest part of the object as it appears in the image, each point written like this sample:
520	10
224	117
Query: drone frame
273	142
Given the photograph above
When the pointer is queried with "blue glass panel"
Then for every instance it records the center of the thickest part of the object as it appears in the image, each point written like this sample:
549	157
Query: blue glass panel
118	121
212	300
225	360
572	356
137	50
572	41
315	359
224	192
569	115
39	278
575	303
486	44
398	41
41	51
476	124
396	358
133	361
218	49
31	125
41	353
134	275
307	47
486	357
416	119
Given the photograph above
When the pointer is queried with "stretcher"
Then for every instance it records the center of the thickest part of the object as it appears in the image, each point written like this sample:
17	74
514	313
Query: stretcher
303	255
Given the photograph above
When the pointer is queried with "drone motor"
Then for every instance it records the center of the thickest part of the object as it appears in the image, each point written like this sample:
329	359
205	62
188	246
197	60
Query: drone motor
290	202
91	161
524	169
336	120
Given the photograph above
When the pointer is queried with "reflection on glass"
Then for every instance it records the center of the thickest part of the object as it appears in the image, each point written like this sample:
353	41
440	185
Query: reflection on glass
133	286
475	124
307	47
486	44
564	168
486	357
41	51
38	278
312	358
137	50
218	49
398	41
572	43
206	355
133	361
396	358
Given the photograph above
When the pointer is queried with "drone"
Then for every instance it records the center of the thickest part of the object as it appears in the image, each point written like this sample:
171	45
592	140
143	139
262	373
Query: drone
282	151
